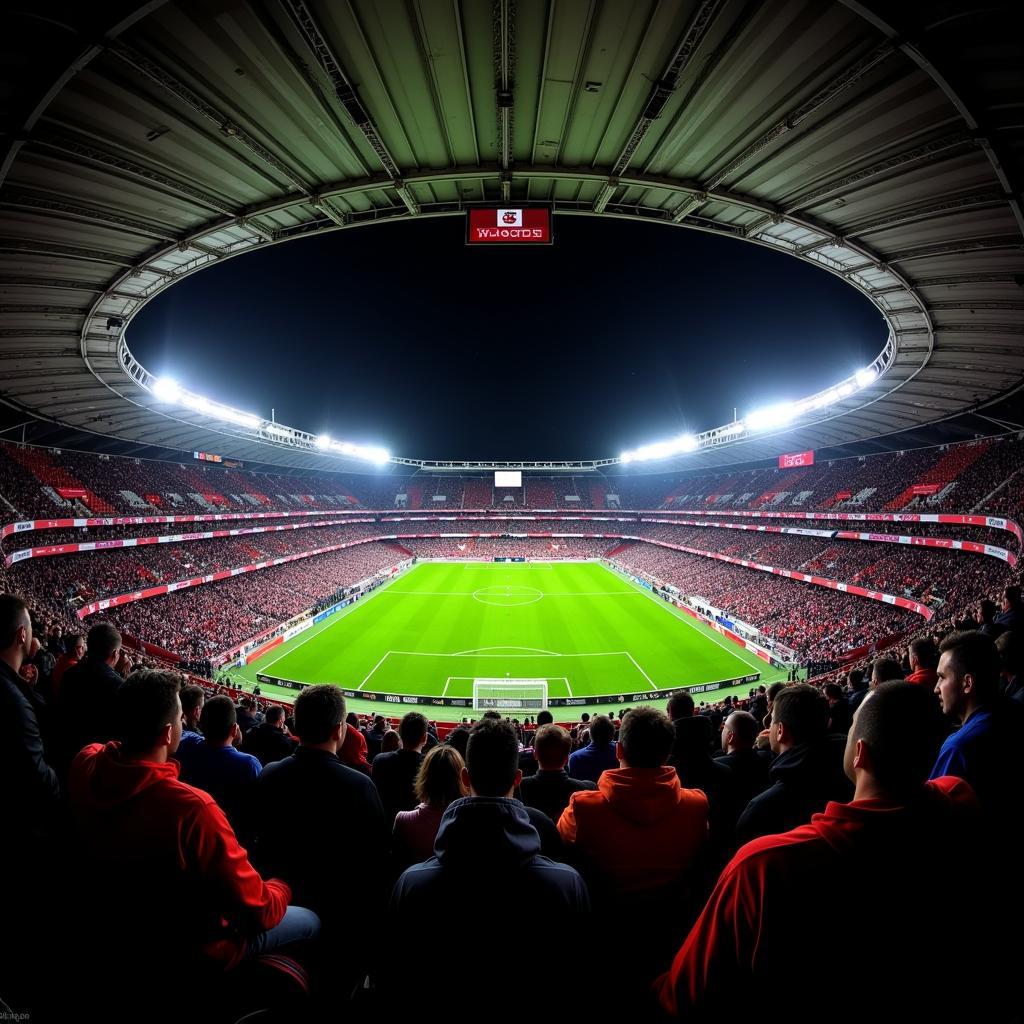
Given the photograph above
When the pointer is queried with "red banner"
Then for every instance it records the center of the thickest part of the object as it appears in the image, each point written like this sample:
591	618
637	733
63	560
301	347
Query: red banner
843	495
509	226
796	459
925	488
70	492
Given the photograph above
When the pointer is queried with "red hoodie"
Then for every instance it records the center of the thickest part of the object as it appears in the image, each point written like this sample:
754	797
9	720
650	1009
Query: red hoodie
868	880
159	843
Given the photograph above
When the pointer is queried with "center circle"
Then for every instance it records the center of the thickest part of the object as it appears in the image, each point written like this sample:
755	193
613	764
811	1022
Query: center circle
507	597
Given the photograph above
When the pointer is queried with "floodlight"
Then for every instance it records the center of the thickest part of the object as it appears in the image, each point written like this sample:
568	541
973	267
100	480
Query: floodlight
626	457
845	390
773	416
323	442
866	376
687	443
166	389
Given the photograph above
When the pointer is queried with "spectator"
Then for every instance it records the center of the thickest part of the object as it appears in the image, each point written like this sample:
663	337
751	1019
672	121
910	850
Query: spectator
391	742
807	771
984	750
840	718
438	784
395	772
270	741
550	789
320	825
640	831
859	686
245	713
459	739
885	670
152	840
924	659
749	766
485	844
1011	616
754	929
1011	659
375	737
192	699
74	651
88	690
599	755
217	765
352	751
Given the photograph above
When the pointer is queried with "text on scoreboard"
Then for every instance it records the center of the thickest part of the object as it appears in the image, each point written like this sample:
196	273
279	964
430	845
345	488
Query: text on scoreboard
514	225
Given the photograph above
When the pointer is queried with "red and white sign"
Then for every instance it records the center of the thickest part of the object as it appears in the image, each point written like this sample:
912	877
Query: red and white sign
796	459
509	226
925	489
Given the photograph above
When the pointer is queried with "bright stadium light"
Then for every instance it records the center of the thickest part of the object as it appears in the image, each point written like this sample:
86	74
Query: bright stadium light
774	416
323	442
866	376
166	389
626	457
687	443
845	390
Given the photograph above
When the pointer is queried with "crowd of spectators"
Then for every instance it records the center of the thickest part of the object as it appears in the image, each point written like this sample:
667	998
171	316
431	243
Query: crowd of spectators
192	836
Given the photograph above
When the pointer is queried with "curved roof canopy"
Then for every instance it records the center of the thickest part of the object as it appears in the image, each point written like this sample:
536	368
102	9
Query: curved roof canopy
883	141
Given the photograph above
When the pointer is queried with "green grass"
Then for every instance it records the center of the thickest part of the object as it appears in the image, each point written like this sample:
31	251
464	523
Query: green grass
582	627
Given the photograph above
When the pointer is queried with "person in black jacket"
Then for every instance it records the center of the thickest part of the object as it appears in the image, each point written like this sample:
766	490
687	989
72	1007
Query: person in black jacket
394	773
807	771
549	790
749	766
320	826
270	741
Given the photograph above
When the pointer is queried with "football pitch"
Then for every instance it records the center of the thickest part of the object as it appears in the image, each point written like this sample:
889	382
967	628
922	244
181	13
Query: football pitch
582	627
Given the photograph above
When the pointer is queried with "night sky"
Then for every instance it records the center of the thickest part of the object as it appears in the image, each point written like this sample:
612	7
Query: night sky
619	334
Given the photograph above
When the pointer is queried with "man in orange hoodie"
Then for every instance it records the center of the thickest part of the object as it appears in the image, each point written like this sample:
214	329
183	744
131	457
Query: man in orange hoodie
639	831
155	845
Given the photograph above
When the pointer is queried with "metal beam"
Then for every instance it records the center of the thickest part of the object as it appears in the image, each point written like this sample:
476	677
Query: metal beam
503	15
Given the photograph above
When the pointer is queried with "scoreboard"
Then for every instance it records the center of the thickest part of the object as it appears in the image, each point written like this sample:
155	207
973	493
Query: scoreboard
509	225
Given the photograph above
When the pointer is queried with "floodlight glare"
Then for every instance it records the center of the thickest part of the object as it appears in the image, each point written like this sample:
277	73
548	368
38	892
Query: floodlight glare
687	443
323	442
865	377
845	390
626	457
773	416
166	389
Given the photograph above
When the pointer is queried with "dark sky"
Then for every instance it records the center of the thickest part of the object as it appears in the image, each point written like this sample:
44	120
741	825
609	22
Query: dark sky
618	335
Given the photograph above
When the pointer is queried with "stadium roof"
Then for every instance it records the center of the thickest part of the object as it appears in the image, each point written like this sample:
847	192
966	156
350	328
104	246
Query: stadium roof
883	141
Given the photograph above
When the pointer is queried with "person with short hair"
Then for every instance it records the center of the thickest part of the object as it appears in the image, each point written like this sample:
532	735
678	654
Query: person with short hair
269	741
840	717
550	788
193	697
639	832
749	765
74	651
808	768
438	784
394	772
1012	614
885	670
598	755
924	659
1010	646
155	841
892	847
320	824
88	690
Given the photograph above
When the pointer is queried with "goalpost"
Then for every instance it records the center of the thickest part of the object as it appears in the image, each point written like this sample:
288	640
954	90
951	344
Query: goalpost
510	694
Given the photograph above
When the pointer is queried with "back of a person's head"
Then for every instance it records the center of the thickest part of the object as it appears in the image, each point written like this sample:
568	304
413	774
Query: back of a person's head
439	780
680	705
855	678
975	654
924	653
545	717
804	712
459	739
774	690
646	738
988	609
192	697
412	729
144	704
833	691
901	725
885	670
274	715
390	742
602	731
552	746
218	719
744	727
14	616
1012	594
492	757
318	712
1010	646
103	641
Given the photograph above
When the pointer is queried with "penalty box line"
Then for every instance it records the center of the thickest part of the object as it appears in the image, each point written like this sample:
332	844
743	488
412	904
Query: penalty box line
451	679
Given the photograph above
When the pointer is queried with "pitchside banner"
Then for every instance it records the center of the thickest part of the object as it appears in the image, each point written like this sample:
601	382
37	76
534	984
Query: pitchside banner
796	459
509	226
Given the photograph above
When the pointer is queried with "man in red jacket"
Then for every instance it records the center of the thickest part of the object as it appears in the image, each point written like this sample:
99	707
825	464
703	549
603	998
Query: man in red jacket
875	879
165	867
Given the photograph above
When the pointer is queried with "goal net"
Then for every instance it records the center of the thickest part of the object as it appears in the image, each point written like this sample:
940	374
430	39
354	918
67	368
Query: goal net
510	694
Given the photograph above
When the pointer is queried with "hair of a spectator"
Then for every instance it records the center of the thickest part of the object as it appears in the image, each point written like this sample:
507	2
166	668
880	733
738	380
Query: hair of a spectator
885	670
646	738
680	705
602	730
855	677
803	710
1012	594
412	729
833	690
459	739
319	710
218	718
744	726
552	746
1011	651
73	640
975	654
192	696
492	757
923	650
439	780
274	714
545	717
901	725
390	741
103	640
988	608
13	615
144	704
353	720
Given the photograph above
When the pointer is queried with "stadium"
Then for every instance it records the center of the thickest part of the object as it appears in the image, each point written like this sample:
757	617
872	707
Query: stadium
283	693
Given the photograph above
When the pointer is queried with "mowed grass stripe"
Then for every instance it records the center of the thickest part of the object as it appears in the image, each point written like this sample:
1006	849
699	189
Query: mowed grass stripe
578	614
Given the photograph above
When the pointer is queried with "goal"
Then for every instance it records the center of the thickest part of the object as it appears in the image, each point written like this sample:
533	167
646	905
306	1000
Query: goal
510	694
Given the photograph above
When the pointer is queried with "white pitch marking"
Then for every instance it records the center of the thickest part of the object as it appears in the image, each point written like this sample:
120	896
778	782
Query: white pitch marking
640	670
503	647
377	666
